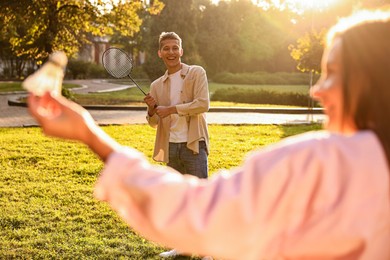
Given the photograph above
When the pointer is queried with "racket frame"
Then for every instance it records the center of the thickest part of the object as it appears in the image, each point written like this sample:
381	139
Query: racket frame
106	52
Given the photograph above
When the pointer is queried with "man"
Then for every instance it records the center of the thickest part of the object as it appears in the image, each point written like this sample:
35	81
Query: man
177	103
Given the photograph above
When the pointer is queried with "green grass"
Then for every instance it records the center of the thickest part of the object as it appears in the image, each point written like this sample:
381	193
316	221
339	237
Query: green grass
47	210
132	96
135	97
17	86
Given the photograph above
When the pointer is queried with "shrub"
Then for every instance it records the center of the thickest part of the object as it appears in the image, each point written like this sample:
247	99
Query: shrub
68	94
96	71
77	69
259	78
154	68
6	73
139	73
238	95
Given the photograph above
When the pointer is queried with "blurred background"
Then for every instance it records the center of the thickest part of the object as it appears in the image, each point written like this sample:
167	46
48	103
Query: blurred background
223	36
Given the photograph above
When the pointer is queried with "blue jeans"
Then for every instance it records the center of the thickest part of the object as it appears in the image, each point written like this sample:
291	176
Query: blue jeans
185	161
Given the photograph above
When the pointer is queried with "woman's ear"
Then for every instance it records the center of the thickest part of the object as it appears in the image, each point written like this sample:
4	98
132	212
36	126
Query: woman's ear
159	53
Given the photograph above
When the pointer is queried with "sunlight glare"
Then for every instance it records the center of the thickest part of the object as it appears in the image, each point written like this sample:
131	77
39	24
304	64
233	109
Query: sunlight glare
295	5
310	4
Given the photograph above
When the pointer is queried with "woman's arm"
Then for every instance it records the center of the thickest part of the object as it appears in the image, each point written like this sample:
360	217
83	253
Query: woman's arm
62	118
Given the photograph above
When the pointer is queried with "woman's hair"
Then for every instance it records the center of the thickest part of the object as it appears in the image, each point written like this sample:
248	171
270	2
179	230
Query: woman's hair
365	38
168	36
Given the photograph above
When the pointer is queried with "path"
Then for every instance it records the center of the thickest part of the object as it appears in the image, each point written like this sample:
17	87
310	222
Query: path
16	116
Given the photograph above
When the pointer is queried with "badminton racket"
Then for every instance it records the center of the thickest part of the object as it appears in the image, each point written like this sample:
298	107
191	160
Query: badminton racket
119	64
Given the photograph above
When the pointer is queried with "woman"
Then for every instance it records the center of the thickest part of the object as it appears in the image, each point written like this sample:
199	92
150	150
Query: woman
320	195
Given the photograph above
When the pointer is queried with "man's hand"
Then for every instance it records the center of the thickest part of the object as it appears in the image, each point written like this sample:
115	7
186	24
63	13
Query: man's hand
152	104
163	111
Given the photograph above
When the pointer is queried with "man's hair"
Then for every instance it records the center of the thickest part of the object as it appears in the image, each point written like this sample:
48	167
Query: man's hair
365	59
168	36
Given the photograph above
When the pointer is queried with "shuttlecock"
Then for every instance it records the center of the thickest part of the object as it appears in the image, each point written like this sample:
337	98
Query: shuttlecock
49	77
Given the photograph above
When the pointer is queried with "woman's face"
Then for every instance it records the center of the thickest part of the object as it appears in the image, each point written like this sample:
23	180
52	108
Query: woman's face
329	90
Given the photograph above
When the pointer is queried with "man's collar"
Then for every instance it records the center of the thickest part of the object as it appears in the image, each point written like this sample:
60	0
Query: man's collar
183	73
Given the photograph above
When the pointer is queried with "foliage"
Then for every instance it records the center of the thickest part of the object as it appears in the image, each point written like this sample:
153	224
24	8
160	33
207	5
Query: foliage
235	36
301	89
177	16
239	37
46	191
131	41
79	69
251	39
96	71
31	29
262	78
308	51
260	96
68	94
154	68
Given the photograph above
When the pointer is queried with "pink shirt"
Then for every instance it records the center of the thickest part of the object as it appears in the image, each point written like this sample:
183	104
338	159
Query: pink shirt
313	196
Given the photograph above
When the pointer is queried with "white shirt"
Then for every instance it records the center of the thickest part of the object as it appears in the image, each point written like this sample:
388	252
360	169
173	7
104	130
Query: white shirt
179	125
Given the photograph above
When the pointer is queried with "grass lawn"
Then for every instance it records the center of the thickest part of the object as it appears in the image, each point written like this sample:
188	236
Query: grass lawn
17	86
135	97
47	210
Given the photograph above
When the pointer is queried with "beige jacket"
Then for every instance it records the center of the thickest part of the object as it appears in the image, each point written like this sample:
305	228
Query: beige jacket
195	102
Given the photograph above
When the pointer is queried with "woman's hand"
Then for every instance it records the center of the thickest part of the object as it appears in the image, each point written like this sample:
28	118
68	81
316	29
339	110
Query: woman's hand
62	118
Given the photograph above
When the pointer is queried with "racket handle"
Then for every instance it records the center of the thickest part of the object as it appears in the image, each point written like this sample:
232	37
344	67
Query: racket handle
137	85
155	105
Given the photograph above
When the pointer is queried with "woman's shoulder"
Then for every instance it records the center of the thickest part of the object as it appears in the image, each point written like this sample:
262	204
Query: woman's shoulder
321	158
321	139
322	147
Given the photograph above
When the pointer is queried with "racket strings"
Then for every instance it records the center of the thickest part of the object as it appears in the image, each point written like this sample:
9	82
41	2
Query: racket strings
117	63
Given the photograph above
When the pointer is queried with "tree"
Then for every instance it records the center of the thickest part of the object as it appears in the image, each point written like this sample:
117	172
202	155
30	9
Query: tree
35	28
308	51
308	54
238	36
177	16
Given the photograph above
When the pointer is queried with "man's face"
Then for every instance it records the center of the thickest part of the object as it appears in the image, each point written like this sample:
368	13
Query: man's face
171	52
